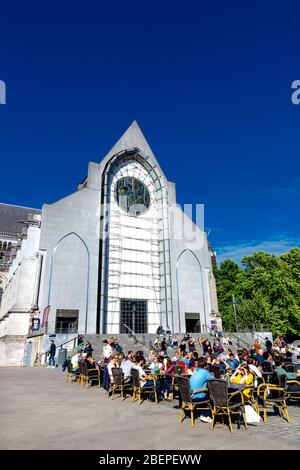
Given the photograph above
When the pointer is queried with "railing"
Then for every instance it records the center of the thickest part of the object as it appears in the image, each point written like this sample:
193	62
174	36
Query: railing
132	334
38	358
239	341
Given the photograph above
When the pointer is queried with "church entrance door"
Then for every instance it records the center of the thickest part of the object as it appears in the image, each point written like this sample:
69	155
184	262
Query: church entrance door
192	323
133	313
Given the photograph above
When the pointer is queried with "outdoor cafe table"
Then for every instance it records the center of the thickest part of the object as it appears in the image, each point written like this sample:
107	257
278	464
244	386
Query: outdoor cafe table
233	387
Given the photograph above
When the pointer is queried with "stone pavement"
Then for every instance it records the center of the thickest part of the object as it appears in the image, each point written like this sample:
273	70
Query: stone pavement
40	411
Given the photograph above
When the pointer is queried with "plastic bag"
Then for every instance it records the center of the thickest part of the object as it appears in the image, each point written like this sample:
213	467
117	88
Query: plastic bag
251	416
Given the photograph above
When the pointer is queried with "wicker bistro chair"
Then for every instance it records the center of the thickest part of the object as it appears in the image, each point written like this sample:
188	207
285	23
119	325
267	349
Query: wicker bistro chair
119	384
267	370
93	377
71	374
187	401
88	375
83	373
290	367
293	390
274	395
138	390
224	403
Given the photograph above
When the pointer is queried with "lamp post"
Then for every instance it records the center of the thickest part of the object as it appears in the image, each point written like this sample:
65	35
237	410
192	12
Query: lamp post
234	303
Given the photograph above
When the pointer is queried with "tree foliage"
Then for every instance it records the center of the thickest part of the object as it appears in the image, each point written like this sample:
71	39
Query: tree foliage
268	289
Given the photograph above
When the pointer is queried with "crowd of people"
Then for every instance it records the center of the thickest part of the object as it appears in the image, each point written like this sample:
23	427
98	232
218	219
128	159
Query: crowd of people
199	360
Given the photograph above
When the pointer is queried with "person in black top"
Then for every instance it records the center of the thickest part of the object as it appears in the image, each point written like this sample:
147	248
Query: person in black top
268	344
182	346
52	352
163	346
160	331
88	348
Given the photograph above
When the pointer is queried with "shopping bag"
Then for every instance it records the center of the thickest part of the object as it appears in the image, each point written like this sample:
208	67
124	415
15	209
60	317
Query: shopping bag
251	416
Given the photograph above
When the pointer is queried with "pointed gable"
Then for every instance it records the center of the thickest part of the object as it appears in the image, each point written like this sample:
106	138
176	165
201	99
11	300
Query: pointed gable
132	138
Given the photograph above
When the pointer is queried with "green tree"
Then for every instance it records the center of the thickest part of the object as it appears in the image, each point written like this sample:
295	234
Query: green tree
268	289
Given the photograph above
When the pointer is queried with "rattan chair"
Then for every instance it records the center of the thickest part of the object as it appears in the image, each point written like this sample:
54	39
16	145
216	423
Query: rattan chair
216	370
71	374
293	390
93	376
224	403
274	395
83	374
138	390
267	370
119	384
290	367
188	404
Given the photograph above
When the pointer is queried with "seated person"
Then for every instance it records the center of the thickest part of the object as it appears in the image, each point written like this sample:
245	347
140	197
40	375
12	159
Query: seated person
279	368
242	375
93	370
199	379
151	356
164	384
145	380
193	358
176	358
160	331
168	331
184	358
156	365
220	361
232	363
75	362
126	366
112	363
259	355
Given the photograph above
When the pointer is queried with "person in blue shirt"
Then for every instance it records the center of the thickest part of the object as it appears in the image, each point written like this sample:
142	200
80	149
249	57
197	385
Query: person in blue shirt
184	358
199	379
232	362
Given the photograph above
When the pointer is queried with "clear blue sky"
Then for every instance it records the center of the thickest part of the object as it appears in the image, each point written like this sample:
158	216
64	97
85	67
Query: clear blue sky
208	82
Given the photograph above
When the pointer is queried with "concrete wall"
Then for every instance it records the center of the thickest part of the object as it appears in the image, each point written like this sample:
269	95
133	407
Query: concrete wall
70	240
190	271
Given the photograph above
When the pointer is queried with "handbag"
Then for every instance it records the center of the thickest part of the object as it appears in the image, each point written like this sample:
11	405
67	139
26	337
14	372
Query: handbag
251	416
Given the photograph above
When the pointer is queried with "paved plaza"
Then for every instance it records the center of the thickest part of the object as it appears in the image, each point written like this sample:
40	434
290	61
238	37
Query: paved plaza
40	411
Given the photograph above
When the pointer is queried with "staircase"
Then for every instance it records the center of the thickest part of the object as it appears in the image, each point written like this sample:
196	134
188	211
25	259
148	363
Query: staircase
144	342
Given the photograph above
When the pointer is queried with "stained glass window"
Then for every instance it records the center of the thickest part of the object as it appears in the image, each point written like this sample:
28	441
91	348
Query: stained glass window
132	195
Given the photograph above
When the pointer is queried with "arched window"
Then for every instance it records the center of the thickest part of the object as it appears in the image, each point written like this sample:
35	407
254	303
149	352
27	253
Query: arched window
0	245
9	246
5	246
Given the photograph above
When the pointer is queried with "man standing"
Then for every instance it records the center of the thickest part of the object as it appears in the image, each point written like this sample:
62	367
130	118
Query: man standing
107	351
52	352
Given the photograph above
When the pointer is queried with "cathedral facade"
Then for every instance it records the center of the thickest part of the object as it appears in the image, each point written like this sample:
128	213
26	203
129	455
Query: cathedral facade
114	256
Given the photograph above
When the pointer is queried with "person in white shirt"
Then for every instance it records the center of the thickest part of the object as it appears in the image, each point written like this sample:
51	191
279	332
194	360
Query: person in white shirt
144	379
112	363
74	361
107	351
156	365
